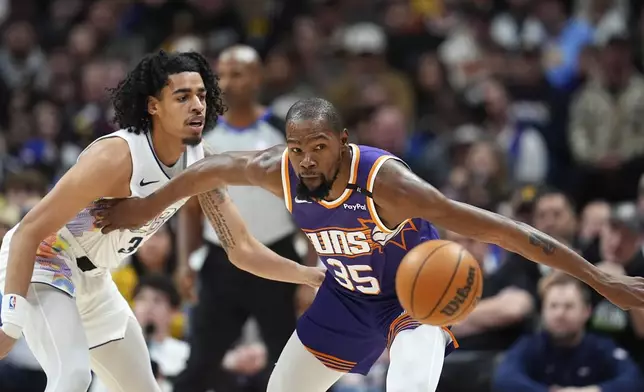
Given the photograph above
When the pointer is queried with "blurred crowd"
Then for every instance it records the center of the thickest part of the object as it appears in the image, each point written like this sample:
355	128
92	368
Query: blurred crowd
530	108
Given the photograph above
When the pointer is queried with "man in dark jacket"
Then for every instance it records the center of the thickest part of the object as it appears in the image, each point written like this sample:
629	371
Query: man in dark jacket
564	358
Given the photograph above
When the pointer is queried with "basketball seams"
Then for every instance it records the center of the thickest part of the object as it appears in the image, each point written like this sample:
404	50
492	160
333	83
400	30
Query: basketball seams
413	284
449	283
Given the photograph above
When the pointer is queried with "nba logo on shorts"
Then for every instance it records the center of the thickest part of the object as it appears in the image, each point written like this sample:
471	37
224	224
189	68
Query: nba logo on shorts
12	302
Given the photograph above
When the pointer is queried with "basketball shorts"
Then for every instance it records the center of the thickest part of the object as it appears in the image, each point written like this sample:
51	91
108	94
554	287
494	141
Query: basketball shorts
348	334
103	310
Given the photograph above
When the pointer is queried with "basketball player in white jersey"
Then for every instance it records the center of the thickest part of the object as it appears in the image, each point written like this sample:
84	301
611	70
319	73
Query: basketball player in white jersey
54	265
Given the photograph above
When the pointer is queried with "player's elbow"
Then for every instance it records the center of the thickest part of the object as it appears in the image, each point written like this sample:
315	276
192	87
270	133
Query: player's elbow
30	232
241	254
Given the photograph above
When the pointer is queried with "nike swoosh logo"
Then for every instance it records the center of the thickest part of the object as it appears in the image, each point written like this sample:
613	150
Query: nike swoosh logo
300	201
143	183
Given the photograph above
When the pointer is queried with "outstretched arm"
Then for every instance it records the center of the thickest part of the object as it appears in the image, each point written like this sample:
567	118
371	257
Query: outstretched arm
242	248
100	172
258	168
396	183
244	251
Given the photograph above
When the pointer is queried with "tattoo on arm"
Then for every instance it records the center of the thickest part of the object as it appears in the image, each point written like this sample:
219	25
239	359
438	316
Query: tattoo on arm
211	205
539	240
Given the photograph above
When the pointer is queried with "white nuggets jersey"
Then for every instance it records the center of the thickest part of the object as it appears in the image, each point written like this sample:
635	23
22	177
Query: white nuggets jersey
84	244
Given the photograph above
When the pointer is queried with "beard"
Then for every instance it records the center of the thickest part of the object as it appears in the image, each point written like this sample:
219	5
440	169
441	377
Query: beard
191	141
324	189
565	338
318	193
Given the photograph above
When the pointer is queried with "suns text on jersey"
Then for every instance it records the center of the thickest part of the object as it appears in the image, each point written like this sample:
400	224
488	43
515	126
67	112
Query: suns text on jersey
354	242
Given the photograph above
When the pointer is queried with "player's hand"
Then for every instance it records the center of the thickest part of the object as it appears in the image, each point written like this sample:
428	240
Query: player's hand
6	344
627	292
315	276
117	214
304	296
186	279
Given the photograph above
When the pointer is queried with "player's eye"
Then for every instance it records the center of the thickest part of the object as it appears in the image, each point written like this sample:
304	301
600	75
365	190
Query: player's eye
202	97
320	147
182	98
296	150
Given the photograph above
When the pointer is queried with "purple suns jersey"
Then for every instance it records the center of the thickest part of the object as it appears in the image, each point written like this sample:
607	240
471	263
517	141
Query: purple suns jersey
360	252
356	313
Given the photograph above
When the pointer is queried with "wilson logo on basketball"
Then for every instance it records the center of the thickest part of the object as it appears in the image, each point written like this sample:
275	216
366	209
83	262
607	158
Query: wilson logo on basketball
461	294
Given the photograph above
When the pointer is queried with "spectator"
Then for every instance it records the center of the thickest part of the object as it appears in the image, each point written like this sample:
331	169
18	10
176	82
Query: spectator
365	44
284	82
156	300
621	246
503	314
24	189
554	214
386	130
594	219
22	61
524	145
565	38
608	17
464	50
611	162
482	180
517	28
564	357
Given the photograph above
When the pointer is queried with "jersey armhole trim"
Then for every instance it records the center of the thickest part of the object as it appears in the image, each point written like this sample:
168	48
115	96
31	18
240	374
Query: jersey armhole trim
353	178
286	181
112	136
98	140
371	205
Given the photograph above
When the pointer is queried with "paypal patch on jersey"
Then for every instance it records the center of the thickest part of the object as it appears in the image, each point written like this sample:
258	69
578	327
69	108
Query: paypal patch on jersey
356	313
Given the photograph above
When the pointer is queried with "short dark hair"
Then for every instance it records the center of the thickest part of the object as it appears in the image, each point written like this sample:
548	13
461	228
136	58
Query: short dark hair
315	109
550	191
559	278
149	77
160	283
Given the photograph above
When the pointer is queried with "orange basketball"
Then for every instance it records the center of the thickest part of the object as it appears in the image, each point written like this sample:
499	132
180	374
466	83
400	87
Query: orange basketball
439	283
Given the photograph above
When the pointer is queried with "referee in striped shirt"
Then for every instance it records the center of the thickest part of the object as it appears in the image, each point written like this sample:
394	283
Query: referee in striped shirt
228	297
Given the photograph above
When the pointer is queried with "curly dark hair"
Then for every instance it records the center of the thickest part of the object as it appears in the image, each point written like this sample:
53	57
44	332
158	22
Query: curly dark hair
130	97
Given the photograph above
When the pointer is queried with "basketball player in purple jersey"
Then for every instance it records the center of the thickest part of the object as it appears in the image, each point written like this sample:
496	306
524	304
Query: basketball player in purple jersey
363	209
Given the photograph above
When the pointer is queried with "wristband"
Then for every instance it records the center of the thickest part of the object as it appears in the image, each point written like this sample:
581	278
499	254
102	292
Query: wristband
14	313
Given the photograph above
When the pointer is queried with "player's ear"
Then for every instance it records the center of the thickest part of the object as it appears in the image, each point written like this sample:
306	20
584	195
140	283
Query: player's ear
153	105
344	136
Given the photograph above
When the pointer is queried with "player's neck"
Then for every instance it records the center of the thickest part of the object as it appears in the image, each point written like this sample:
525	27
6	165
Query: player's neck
341	182
244	116
167	147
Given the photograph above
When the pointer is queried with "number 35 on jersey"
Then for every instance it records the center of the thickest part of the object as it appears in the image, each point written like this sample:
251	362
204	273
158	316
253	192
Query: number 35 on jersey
354	277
